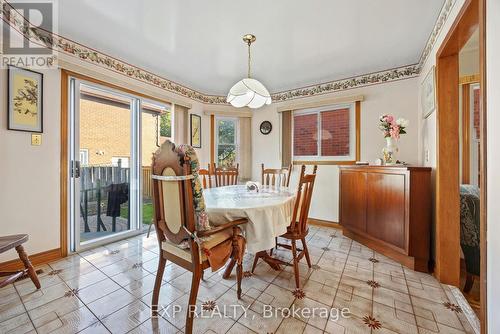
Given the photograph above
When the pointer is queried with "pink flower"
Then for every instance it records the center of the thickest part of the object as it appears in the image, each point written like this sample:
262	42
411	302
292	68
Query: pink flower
394	131
389	118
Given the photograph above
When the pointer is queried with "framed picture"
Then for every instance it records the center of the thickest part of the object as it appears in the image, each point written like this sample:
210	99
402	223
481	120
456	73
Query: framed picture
429	93
195	130
25	100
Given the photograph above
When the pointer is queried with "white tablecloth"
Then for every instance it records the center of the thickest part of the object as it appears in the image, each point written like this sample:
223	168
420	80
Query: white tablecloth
269	212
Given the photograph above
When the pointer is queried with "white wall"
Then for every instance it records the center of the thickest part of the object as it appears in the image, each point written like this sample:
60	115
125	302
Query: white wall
427	127
493	137
29	195
398	98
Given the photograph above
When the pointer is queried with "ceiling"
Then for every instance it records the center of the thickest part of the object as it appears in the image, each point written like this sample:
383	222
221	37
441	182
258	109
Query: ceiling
299	43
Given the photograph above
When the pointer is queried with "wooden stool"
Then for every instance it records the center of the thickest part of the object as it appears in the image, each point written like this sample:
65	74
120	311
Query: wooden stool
16	241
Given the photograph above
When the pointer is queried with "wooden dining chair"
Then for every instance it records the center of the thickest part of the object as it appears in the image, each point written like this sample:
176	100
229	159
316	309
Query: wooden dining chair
298	229
206	177
276	176
226	176
175	215
16	241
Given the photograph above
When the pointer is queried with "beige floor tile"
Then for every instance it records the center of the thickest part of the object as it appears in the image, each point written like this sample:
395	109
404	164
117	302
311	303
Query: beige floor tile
435	311
127	318
44	295
291	325
130	276
141	287
394	320
26	286
239	329
319	292
84	280
19	324
96	328
156	325
350	325
72	322
57	307
111	303
277	297
168	294
259	324
97	290
11	307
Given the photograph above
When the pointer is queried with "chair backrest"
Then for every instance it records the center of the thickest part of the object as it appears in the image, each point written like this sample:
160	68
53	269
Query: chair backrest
226	176
278	176
172	201
206	177
303	200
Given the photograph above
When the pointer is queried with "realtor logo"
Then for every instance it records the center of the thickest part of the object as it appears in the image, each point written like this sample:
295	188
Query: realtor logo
27	34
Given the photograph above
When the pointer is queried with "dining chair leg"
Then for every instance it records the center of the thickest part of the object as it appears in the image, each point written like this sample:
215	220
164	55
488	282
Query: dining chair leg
306	252
469	282
191	309
255	260
239	276
27	264
157	287
295	264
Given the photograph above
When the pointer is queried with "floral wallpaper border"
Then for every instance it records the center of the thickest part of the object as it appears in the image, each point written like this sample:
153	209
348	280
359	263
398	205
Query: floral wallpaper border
89	55
443	16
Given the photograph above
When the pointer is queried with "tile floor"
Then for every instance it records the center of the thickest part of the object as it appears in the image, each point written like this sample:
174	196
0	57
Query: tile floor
108	289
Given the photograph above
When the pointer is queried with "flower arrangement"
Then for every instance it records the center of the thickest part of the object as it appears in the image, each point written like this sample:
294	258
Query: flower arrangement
391	127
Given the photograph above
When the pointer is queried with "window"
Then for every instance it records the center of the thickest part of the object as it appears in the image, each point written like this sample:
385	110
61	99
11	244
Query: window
325	134
226	144
84	156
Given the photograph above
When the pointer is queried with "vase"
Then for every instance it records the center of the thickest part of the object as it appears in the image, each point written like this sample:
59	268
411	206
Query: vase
390	150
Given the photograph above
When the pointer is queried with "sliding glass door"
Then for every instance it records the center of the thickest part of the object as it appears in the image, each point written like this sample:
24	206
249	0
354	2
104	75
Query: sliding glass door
112	137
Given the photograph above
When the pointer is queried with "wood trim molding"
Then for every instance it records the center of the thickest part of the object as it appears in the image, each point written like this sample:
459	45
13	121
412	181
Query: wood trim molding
466	133
483	316
212	140
320	103
358	130
468	79
36	259
325	163
325	223
63	166
447	205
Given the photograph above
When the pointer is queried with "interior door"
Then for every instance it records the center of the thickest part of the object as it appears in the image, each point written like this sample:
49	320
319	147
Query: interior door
104	160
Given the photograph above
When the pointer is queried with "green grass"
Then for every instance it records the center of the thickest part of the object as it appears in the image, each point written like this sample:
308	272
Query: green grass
147	213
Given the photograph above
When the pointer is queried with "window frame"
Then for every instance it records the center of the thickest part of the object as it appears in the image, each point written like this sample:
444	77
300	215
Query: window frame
354	135
236	137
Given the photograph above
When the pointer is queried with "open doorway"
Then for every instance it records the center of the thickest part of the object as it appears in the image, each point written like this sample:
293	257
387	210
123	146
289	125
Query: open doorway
461	154
470	169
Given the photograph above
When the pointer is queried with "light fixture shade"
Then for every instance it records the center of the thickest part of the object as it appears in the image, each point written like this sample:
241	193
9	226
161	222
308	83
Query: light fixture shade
248	93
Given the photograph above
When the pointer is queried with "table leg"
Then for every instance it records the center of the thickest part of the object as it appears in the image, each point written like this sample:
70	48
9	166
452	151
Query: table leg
229	269
271	261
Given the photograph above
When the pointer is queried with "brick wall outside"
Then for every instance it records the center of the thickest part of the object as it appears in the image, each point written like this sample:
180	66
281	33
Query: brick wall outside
305	134
334	133
105	128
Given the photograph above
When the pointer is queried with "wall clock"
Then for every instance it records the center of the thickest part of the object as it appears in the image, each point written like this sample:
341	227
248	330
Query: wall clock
266	127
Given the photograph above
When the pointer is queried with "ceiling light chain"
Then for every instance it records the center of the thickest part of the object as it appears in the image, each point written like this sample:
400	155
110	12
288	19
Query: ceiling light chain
249	58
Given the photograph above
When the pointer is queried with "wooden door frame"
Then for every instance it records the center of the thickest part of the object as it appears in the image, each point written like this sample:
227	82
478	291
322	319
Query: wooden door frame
471	17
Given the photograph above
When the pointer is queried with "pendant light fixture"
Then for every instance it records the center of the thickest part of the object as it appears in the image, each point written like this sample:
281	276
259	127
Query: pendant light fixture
248	92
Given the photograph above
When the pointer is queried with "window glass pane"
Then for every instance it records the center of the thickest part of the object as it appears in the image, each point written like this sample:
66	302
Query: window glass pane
226	155
305	135
227	129
335	132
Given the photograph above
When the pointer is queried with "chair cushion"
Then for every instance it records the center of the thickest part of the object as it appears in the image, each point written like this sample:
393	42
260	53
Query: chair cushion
208	245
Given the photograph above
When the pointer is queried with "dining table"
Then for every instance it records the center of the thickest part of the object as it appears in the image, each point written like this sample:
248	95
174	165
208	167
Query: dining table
268	210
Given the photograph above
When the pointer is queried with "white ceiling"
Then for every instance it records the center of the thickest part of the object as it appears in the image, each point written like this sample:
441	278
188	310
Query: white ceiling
299	43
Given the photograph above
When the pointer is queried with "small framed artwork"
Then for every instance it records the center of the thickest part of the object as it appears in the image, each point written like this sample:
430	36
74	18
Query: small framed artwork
25	100
195	121
429	93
